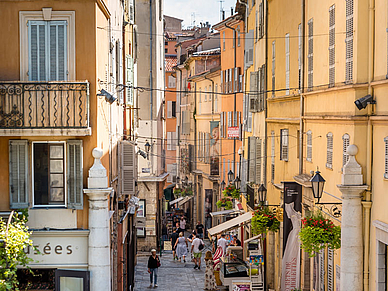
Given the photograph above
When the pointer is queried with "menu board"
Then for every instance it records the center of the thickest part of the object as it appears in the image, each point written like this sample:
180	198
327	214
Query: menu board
241	286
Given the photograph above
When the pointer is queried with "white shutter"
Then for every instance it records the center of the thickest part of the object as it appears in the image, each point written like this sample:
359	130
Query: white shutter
173	140
127	172
222	124
345	145
169	109
249	121
287	39
284	145
252	159
229	121
272	156
330	269
253	92
131	12
258	161
74	174
57	50
322	270
332	45
329	154
18	174
349	41
169	141
129	79
310	59
386	157
273	68
37	49
309	146
169	171
222	81
236	76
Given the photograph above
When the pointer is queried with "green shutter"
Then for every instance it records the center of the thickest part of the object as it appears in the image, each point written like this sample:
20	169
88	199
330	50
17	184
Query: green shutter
18	174
74	174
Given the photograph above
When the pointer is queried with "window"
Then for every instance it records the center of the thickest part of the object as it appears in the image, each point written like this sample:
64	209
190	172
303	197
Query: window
171	141
128	78
171	109
258	158
234	37
310	55
223	40
166	51
330	269
287	64
172	170
309	146
273	69
349	41
252	159
166	43
345	145
238	35
284	145
261	20
329	151
272	156
386	157
47	50
171	82
332	46
205	92
300	41
253	84
249	40
199	101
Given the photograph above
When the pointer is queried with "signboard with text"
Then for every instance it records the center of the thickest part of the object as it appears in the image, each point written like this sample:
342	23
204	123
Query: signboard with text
234	131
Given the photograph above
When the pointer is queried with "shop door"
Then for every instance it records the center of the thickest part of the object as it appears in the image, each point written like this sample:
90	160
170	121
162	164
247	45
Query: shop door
69	280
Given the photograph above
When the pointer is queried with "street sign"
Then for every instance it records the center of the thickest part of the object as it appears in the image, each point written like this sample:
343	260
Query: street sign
234	131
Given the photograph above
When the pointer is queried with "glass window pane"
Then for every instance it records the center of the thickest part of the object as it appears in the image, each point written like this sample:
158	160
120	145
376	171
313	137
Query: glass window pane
56	166
56	152
56	180
56	195
41	178
71	284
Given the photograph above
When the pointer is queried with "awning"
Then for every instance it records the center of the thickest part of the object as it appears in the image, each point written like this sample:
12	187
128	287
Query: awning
176	200
185	200
168	192
235	222
252	238
223	212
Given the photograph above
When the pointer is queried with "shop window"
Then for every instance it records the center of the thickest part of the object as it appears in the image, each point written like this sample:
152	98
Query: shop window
72	280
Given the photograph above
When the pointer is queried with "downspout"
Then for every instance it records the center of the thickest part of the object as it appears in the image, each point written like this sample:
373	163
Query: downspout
151	88
367	204
265	92
125	133
235	94
301	91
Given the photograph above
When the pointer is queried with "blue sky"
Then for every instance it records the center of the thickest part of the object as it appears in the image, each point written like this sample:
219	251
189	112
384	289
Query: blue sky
205	10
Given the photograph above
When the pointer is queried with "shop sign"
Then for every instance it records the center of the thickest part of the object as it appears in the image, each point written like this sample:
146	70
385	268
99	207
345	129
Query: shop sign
59	248
234	131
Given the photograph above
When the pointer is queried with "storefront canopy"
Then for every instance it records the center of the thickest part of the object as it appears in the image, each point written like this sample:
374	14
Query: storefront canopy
223	212
235	222
176	200
184	200
168	192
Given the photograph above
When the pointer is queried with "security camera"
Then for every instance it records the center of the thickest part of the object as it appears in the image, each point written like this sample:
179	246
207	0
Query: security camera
108	97
364	101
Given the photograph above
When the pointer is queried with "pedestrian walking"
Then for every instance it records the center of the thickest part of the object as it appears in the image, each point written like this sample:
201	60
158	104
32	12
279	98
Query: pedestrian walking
181	247
199	227
210	280
153	265
174	238
192	236
178	228
196	248
182	223
223	243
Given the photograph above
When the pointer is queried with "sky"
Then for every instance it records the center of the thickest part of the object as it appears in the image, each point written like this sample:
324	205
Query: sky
204	10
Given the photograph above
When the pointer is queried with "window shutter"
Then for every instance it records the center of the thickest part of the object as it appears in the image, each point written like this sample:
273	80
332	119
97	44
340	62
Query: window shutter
230	119
330	269
169	109
173	140
127	174
74	174
287	39
18	174
310	55
236	76
322	270
332	46
349	41
284	145
253	92
329	154
273	68
252	159
129	79
300	41
272	156
222	82
37	43
222	124
249	121
309	146
258	161
58	48
169	170
386	157
169	141
345	145
131	12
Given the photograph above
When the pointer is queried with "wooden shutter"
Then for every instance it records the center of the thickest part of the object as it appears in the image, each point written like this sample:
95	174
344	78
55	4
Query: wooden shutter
330	269
252	159
310	65
284	145
129	79
127	172
222	82
329	154
169	171
131	12
58	50
332	45
37	49
272	156
309	146
386	157
169	141
173	140
349	41
322	270
222	124
18	174
258	161
273	68
287	40
169	109
345	145
253	92
74	174
300	41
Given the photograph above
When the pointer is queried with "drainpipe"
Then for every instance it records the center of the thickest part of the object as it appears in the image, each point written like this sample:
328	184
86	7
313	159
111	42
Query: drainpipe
235	94
212	94
301	91
124	88
151	88
265	92
367	204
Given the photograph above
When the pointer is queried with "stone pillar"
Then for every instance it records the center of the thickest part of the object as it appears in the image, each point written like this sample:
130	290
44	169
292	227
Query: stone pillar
352	188
99	236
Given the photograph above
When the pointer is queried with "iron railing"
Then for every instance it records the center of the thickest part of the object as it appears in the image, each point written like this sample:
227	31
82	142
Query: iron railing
44	105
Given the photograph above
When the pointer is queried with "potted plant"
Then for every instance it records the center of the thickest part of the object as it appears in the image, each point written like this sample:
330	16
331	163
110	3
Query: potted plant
177	191
225	203
264	220
318	232
231	191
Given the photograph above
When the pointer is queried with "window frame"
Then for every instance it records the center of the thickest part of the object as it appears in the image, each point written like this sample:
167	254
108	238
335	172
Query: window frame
329	150
282	158
64	174
46	15
309	146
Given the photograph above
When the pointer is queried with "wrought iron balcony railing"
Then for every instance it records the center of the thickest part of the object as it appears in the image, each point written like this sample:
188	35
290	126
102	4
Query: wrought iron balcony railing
28	105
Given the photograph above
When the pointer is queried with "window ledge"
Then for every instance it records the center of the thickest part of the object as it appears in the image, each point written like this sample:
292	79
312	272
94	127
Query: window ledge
46	132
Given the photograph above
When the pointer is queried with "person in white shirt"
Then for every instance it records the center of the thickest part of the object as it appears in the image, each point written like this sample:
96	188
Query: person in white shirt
182	223
197	252
223	243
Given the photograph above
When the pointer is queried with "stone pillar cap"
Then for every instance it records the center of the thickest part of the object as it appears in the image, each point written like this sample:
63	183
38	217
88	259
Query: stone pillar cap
97	173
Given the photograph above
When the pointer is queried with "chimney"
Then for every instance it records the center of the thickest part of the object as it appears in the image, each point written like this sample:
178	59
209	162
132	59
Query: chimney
231	11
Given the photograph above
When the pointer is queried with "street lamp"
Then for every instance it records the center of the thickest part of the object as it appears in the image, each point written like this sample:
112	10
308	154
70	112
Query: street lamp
317	183
237	182
262	191
147	147
222	185
230	176
186	181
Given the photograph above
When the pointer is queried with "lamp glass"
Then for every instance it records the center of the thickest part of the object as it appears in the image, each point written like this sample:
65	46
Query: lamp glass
262	191
223	185
230	176
237	182
317	184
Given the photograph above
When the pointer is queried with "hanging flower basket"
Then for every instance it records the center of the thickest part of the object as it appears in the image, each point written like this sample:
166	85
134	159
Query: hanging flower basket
187	192
264	220
317	233
225	203
231	191
177	191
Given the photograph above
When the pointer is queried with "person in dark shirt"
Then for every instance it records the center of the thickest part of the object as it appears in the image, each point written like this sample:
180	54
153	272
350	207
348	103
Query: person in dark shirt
199	229
235	241
153	265
191	236
174	237
179	229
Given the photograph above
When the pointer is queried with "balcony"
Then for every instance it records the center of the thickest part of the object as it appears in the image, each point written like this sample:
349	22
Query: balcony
44	108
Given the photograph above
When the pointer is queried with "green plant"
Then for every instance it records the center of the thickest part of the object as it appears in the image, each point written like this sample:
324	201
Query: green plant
224	202
177	191
263	221
15	237
231	191
187	192
318	232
